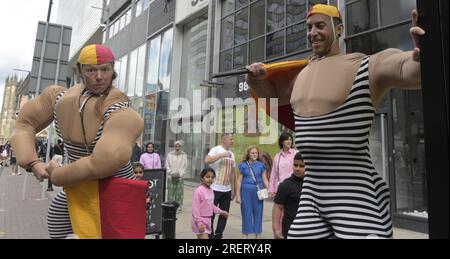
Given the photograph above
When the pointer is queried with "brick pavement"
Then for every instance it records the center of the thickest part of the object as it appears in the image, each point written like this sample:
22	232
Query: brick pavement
22	219
26	219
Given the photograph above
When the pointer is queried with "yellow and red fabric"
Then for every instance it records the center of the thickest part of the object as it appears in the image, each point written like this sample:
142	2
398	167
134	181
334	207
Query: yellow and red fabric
281	75
328	10
95	54
111	208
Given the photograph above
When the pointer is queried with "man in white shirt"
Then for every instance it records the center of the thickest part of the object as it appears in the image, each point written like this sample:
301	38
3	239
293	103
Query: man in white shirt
221	159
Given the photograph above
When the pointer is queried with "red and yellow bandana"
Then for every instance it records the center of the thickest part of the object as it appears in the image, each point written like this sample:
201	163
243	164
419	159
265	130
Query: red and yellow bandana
95	55
328	10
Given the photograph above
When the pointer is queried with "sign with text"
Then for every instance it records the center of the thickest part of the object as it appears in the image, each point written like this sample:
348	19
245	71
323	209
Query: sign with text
156	195
51	56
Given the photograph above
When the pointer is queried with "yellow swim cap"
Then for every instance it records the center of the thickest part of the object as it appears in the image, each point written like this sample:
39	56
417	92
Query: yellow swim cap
329	10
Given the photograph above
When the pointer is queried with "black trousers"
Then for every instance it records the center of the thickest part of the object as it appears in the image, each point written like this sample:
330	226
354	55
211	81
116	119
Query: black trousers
223	201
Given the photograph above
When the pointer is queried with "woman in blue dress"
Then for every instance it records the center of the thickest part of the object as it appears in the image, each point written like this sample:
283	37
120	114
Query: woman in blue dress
246	192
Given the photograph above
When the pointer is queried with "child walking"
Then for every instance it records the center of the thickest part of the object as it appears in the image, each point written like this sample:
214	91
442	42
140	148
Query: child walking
288	198
203	205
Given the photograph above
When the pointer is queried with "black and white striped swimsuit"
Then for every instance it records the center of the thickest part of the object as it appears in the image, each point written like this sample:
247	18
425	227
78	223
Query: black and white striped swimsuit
58	219
342	196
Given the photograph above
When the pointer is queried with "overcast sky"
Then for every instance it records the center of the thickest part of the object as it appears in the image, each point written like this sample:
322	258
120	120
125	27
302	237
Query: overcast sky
18	26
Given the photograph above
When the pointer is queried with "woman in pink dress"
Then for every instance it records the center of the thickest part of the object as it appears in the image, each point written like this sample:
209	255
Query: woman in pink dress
203	205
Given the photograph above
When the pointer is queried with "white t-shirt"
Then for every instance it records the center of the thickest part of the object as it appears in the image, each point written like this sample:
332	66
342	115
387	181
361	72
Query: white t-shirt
223	167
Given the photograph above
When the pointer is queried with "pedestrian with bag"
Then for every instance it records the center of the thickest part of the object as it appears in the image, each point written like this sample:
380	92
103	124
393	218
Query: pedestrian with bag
176	165
251	191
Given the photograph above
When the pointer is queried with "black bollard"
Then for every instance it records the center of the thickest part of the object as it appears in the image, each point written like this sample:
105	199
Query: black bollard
49	186
169	219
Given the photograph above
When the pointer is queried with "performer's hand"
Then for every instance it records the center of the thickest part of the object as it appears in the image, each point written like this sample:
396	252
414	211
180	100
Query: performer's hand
257	72
224	214
416	32
40	171
52	166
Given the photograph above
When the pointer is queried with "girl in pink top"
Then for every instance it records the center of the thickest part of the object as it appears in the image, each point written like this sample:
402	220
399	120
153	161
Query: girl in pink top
203	205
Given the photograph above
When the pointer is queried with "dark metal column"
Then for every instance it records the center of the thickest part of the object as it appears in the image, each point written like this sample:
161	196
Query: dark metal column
433	17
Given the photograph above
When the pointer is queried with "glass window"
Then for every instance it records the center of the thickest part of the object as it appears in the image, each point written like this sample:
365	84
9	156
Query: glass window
160	126
132	73
226	63
393	11
149	117
241	27
227	7
275	15
295	11
240	56
241	3
257	18
296	38
311	3
123	20
227	33
153	65
140	71
397	37
120	67
410	173
147	4
194	57
275	44
361	16
138	7
165	64
128	17
256	51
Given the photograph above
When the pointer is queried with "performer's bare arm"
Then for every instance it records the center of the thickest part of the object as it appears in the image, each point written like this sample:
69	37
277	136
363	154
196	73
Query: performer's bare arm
264	88
35	116
394	68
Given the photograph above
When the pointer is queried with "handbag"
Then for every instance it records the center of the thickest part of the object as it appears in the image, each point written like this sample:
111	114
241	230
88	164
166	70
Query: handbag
262	193
175	176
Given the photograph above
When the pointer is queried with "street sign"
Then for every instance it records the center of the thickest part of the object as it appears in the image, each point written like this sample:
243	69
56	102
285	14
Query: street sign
51	56
157	187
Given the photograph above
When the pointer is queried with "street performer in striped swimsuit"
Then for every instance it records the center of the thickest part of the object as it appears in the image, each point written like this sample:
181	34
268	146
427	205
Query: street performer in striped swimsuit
100	198
334	99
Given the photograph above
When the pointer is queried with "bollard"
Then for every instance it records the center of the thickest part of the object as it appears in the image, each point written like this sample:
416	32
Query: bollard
49	186
169	219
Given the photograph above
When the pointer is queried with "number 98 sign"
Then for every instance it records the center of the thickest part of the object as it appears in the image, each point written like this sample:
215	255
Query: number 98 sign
243	87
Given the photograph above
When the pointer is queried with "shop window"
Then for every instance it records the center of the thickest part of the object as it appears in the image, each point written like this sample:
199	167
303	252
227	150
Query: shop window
241	27
361	16
256	19
275	44
227	33
295	11
296	38
393	11
240	56
226	60
275	15
256	50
